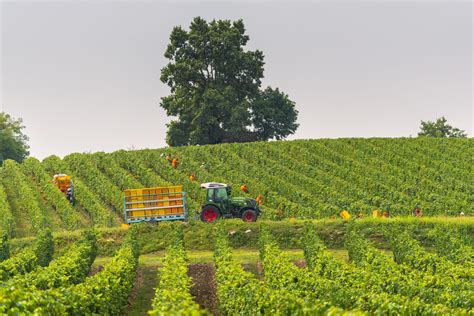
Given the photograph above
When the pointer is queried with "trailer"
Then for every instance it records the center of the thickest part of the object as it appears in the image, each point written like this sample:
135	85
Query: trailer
154	204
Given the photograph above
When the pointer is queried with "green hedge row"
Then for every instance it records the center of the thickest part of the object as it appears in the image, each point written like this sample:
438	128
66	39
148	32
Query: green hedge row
105	293
172	294
288	234
39	254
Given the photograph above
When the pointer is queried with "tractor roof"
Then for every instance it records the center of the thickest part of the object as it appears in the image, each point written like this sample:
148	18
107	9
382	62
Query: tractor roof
209	185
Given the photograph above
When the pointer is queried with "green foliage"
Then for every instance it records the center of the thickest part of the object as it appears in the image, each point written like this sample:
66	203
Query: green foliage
71	268
274	115
4	247
360	287
21	263
22	291
172	295
440	128
215	88
320	178
288	234
101	185
105	293
33	168
111	168
7	223
17	182
408	251
12	140
39	254
442	292
296	290
86	198
238	291
452	244
44	247
309	179
317	257
373	284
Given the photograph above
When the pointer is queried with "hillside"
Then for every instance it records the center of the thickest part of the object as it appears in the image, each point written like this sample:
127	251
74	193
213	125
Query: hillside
303	179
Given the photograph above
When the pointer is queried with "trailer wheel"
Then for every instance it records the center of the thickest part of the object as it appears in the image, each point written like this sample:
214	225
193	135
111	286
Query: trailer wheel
209	214
249	216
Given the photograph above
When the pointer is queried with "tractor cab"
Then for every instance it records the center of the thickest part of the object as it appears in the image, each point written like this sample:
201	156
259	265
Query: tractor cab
217	192
65	185
220	203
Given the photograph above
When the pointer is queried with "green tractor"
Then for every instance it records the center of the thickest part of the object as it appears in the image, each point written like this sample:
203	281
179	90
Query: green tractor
220	204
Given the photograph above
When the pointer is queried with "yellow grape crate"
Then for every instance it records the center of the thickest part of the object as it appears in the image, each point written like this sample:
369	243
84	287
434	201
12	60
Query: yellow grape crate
154	204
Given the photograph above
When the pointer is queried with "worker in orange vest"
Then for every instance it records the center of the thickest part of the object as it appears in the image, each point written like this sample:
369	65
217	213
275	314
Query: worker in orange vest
244	188
174	163
192	177
259	199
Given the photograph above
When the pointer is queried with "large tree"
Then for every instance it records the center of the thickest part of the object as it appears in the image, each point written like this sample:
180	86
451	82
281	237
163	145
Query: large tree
215	88
12	140
439	128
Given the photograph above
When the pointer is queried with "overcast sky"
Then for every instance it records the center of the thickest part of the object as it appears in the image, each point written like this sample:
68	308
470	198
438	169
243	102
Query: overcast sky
84	76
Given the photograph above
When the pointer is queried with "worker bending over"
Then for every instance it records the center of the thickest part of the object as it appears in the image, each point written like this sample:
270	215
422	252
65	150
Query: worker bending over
193	177
244	188
174	163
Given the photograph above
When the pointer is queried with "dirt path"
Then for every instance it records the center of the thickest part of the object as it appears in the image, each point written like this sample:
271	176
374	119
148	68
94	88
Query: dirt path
141	297
204	289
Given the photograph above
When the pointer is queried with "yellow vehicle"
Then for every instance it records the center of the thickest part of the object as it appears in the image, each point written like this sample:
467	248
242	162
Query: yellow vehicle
65	185
154	204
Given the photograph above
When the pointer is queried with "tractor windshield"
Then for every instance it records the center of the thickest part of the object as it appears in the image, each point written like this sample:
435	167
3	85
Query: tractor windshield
221	194
217	194
210	195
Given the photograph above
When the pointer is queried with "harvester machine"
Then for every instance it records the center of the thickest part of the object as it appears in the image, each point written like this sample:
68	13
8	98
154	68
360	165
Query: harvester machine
65	185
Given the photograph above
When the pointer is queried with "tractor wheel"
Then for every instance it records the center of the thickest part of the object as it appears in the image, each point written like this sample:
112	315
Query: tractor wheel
209	214
249	216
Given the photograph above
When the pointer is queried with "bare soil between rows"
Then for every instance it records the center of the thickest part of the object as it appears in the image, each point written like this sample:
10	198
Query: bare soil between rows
204	286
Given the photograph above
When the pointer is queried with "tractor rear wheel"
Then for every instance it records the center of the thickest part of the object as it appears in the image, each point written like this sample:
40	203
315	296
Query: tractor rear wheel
249	216
209	214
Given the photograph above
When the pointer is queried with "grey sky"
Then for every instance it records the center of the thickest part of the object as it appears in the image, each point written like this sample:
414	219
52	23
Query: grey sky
84	76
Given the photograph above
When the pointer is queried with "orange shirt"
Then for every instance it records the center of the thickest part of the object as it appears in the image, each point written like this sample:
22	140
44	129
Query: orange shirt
259	199
244	188
174	163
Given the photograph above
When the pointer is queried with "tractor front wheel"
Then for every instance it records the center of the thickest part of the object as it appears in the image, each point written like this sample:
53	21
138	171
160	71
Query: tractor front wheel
249	216
209	214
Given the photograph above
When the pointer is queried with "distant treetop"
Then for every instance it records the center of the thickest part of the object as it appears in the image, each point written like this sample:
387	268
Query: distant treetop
215	88
12	140
440	128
